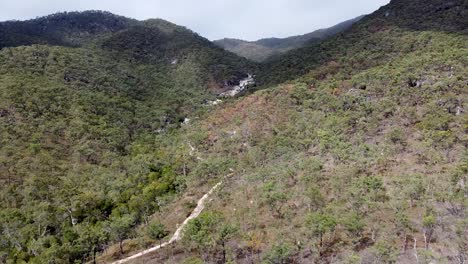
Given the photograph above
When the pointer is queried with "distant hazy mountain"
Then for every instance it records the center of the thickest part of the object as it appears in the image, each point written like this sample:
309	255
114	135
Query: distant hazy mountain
264	49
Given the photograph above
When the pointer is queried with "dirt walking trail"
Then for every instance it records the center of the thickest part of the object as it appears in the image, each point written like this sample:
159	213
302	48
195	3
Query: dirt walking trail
178	233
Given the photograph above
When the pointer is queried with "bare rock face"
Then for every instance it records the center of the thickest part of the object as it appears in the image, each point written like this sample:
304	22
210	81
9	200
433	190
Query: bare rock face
242	86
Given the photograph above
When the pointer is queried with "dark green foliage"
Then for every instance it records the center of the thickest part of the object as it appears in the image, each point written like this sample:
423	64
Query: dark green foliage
158	41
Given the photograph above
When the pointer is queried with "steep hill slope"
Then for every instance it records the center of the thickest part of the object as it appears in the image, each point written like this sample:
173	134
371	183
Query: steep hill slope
77	92
360	160
263	49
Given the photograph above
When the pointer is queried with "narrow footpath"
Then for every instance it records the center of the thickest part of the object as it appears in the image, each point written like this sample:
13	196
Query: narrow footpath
179	232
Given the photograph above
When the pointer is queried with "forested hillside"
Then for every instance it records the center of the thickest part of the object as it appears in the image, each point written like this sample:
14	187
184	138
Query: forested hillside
353	151
361	159
264	49
77	92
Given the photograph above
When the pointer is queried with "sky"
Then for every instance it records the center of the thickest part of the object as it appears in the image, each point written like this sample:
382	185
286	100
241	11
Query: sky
213	19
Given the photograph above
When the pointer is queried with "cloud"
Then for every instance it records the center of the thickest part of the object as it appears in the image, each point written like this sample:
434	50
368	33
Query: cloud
214	19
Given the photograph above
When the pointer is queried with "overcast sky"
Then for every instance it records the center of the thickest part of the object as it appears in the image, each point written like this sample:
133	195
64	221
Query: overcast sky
213	19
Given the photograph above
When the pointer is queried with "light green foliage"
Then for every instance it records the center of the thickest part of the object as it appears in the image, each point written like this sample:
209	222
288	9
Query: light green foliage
402	222
354	259
193	260
429	221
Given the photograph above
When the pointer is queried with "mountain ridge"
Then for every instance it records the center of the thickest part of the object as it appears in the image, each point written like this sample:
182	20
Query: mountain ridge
263	49
67	28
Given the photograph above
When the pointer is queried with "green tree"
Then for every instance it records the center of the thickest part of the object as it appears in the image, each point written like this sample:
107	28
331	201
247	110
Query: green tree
384	252
200	233
429	222
157	231
208	233
320	224
402	225
413	187
119	228
354	224
279	254
274	198
225	233
316	198
366	192
91	237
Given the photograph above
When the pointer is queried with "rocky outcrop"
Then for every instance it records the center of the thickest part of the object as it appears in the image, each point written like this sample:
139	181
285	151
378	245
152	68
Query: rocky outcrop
242	86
